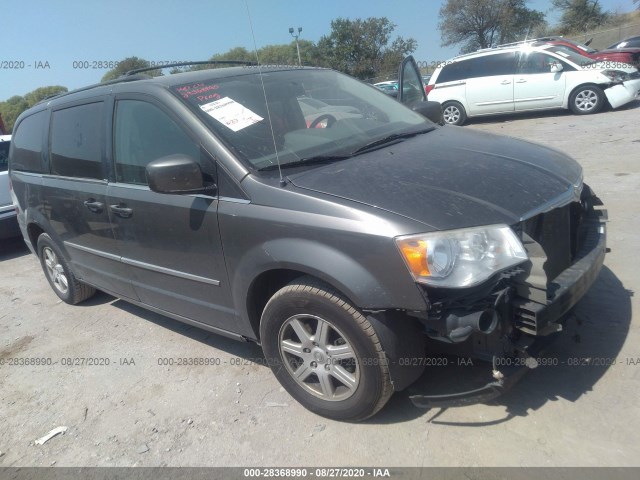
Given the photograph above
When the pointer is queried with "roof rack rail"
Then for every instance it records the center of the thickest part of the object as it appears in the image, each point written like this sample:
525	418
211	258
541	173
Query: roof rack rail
529	40
184	64
136	74
131	78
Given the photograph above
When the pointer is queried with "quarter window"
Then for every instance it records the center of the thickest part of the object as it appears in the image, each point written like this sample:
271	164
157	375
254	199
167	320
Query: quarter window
76	141
27	144
144	133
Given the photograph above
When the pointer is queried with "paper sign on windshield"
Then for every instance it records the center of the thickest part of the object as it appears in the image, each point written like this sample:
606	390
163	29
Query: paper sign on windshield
231	113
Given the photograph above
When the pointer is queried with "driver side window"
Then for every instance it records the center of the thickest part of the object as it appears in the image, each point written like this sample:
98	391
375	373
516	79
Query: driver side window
142	133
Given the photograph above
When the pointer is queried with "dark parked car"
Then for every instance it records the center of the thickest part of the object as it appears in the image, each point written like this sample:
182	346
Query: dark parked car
631	42
204	196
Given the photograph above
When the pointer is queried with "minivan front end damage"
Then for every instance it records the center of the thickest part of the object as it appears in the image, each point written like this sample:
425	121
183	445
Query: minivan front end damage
511	318
624	89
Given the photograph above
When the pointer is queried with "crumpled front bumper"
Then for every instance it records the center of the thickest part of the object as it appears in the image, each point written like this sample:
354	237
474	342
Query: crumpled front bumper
568	288
624	93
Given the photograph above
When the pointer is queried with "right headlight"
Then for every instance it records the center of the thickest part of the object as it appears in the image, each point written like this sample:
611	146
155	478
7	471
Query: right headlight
617	76
461	258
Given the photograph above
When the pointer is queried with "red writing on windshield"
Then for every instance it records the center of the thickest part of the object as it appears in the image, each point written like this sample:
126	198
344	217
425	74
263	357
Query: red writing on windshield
189	91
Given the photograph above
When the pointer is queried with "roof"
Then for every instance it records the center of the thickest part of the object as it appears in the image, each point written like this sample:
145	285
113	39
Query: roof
516	47
178	78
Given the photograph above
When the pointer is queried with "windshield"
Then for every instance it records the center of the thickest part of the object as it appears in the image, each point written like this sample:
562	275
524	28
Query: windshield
352	115
571	55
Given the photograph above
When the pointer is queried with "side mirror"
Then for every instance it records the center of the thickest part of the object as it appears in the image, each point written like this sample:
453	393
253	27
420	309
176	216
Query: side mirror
431	110
556	67
176	174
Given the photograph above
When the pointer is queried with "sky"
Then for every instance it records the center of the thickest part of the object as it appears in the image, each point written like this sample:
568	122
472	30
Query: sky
50	41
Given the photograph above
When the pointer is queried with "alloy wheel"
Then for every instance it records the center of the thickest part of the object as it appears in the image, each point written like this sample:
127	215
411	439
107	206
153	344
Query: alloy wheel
451	114
586	100
55	271
319	357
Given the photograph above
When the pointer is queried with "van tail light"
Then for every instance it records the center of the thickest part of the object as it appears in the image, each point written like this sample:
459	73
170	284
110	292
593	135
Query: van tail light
428	88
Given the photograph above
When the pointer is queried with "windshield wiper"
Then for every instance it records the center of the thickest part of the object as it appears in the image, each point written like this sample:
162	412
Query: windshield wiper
306	161
390	138
318	159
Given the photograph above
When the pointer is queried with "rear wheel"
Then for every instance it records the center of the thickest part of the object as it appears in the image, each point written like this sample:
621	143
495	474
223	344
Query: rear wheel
59	275
453	113
324	352
586	100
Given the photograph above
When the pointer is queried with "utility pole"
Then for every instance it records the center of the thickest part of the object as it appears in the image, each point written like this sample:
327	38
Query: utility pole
291	31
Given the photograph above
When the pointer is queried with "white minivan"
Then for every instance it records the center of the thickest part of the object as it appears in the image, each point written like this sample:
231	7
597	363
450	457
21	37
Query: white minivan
524	77
8	222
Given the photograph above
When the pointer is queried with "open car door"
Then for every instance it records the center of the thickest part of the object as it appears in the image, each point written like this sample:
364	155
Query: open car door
411	92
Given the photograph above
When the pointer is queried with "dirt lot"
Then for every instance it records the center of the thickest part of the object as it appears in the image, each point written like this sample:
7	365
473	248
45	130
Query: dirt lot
137	412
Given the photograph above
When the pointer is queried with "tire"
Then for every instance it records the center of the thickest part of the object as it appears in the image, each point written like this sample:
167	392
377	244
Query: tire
309	328
453	113
60	277
586	100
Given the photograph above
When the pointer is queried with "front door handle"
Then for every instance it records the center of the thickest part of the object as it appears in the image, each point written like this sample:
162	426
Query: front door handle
506	82
93	205
121	210
522	80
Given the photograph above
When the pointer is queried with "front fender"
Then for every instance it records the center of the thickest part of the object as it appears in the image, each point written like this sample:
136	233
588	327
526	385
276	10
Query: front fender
366	289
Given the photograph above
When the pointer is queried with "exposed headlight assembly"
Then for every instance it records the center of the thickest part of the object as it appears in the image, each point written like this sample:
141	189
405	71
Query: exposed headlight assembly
616	76
461	258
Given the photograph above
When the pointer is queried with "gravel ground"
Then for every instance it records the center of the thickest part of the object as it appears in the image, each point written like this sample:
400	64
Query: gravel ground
134	411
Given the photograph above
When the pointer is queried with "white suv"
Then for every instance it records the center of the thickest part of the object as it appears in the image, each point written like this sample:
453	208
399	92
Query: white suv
524	77
8	222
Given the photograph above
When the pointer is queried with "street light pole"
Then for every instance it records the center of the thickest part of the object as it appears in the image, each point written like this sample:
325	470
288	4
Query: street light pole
291	31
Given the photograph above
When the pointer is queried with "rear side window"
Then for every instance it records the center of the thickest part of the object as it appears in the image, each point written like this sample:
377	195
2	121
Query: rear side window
487	66
144	133
76	141
4	156
27	144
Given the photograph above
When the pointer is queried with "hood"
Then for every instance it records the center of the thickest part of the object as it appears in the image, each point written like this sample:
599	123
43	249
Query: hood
451	178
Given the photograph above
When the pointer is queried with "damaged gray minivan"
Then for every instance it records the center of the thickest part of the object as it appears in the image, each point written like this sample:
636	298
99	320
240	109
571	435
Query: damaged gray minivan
340	244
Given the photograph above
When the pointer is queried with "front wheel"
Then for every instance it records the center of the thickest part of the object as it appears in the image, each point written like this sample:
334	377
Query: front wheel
586	100
453	113
324	352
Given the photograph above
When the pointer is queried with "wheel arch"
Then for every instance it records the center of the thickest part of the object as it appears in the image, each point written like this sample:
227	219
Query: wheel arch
585	84
266	269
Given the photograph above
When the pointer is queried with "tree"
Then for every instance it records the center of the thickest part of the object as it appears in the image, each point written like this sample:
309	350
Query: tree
580	15
361	47
282	54
43	92
518	22
486	23
128	64
11	109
